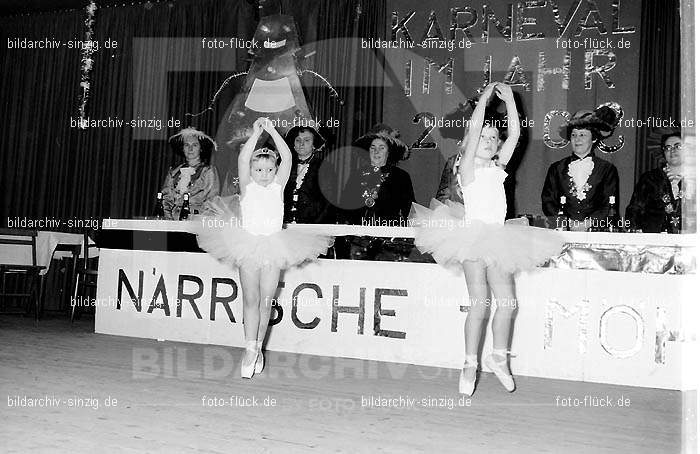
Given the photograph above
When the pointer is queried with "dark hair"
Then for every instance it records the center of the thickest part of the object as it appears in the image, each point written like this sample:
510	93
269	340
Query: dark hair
668	135
393	155
595	133
206	148
292	134
304	129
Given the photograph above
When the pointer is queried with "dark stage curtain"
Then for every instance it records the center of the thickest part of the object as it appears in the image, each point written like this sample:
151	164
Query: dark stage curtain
157	71
38	94
659	76
331	32
52	168
358	73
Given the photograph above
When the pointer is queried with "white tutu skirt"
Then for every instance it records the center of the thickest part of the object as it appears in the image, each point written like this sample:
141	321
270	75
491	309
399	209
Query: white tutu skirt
220	233
442	231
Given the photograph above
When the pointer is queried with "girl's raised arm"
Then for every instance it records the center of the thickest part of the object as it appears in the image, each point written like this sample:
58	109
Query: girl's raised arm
285	166
472	136
505	93
246	153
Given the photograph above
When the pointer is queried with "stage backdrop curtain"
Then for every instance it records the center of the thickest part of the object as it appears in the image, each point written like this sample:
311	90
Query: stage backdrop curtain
53	169
38	95
157	70
357	73
659	77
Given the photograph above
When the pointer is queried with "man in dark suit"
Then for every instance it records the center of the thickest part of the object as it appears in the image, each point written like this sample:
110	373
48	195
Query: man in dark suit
657	199
586	180
304	199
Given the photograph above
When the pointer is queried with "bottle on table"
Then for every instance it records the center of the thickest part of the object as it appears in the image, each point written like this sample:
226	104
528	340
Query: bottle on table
612	216
185	210
562	222
159	212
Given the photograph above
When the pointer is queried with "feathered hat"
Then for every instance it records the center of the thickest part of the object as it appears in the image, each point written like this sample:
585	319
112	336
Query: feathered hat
601	122
206	143
190	131
397	149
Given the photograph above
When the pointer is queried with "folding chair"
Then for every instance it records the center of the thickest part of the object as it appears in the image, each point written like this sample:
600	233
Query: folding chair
68	270
85	276
30	290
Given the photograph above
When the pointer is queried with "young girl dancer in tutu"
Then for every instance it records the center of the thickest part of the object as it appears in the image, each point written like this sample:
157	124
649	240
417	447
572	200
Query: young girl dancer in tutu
474	237
249	235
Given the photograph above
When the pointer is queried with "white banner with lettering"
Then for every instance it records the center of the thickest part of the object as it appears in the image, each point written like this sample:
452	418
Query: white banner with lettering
607	327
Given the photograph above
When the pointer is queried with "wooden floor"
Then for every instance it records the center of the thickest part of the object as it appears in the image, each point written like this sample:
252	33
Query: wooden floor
163	397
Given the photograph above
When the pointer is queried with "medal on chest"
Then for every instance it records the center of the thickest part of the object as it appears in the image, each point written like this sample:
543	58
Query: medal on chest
372	180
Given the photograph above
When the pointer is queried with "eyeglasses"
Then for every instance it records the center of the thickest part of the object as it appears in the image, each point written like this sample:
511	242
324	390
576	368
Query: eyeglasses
675	147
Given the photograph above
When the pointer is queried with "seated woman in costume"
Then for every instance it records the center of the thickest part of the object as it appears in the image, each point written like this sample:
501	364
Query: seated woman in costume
195	176
380	193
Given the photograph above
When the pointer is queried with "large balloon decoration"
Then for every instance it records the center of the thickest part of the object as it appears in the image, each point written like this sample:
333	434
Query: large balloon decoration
272	89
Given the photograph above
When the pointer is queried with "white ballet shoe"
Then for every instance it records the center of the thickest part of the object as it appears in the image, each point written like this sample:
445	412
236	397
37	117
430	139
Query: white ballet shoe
260	359
500	368
467	378
250	356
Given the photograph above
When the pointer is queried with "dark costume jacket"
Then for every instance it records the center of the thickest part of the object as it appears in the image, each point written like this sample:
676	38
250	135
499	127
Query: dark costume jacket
308	203
653	207
393	201
449	188
602	183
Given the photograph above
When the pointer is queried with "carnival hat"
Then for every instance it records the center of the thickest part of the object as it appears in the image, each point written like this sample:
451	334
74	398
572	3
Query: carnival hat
602	121
206	143
292	134
190	131
385	129
397	149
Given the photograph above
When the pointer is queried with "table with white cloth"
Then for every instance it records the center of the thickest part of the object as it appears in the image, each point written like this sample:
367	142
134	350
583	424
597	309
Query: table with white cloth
50	246
46	242
612	308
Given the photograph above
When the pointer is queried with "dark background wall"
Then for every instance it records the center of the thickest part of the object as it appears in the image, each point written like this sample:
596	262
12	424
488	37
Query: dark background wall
534	156
158	70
